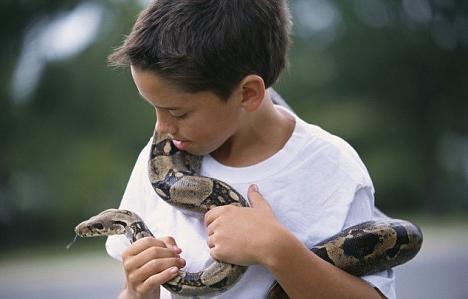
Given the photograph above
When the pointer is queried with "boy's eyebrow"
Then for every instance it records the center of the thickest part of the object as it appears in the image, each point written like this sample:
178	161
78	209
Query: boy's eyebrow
165	108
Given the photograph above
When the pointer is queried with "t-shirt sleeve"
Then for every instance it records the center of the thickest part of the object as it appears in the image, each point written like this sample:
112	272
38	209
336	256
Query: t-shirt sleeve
362	209
132	200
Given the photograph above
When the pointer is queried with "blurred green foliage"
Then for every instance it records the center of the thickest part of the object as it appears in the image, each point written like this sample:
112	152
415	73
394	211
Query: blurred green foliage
390	77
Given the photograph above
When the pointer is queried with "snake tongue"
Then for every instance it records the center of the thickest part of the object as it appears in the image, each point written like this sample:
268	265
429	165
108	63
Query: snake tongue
72	242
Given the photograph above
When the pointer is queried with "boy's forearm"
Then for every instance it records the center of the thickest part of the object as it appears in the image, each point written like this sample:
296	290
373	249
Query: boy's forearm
302	274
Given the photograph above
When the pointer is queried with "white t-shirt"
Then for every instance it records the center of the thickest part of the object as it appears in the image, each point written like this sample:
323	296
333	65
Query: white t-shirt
316	185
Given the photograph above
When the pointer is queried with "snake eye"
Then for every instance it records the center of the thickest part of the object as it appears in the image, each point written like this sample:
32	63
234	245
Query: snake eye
98	226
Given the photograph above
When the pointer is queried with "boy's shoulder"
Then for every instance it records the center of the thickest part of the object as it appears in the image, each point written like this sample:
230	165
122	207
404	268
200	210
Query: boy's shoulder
325	148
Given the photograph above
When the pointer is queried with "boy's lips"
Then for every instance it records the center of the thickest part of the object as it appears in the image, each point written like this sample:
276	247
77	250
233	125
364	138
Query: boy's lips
180	144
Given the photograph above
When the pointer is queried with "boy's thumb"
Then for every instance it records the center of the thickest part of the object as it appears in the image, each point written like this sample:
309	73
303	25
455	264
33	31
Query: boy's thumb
256	199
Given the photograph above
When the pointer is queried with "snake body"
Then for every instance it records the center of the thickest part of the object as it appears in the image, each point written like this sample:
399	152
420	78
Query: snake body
216	278
366	248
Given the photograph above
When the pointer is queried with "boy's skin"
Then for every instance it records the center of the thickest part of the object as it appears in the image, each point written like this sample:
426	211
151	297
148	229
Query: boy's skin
239	132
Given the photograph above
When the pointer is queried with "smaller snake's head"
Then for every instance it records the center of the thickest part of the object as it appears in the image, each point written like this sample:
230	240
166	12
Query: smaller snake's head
108	222
90	229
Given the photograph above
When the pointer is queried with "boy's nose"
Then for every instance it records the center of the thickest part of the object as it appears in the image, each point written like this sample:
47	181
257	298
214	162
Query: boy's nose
163	126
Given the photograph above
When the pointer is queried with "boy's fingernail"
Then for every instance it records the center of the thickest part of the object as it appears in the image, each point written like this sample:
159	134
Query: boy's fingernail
175	248
173	270
254	188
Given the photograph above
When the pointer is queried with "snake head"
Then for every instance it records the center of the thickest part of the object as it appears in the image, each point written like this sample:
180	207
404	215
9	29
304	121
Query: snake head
108	222
163	146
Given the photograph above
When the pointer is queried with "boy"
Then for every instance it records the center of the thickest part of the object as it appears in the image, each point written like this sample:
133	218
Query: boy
204	65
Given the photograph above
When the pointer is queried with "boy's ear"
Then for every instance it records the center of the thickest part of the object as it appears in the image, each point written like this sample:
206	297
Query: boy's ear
252	92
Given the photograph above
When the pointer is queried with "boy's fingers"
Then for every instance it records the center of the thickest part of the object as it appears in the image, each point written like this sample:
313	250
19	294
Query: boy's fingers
158	279
154	267
256	199
142	244
171	243
151	253
212	214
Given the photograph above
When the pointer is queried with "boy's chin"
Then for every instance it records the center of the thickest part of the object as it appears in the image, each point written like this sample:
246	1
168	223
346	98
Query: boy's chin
196	151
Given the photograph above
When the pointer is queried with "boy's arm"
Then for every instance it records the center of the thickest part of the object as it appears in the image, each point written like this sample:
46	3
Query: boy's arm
362	209
301	273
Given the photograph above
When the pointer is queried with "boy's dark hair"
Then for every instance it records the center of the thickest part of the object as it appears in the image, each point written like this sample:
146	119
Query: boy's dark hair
209	45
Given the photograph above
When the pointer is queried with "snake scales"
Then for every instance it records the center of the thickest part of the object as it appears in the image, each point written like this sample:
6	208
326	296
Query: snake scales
366	248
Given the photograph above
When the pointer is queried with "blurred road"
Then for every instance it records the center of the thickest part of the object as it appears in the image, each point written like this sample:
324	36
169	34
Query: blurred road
93	276
439	271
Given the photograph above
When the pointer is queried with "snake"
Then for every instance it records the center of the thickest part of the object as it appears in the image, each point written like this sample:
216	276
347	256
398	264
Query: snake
363	249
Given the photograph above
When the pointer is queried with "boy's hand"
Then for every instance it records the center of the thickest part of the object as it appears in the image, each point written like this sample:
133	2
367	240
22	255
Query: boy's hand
243	236
149	263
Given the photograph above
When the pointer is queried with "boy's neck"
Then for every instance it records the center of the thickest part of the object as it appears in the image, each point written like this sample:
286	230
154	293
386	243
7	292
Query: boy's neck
265	132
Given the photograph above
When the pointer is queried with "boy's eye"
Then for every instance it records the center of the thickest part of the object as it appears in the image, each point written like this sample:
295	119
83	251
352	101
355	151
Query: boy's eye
179	115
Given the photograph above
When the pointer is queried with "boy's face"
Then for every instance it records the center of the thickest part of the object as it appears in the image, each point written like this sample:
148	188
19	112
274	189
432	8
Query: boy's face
198	123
